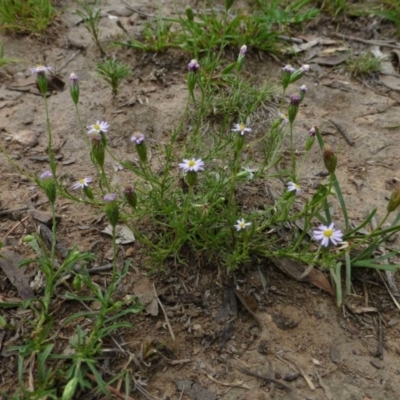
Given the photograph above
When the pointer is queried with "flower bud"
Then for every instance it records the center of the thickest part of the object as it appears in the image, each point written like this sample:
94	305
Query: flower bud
130	196
112	210
394	200
189	13
330	159
97	152
293	107
287	70
70	389
138	139
48	185
74	88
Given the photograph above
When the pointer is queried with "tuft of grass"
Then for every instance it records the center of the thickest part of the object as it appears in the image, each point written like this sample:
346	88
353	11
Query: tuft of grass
26	16
363	65
113	72
6	60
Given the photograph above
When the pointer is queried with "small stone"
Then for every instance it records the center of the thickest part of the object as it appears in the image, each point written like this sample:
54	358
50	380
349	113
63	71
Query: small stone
26	138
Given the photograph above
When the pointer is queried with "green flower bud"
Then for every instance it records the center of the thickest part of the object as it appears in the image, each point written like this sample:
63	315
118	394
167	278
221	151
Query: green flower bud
189	13
130	196
394	200
74	88
69	390
112	210
48	185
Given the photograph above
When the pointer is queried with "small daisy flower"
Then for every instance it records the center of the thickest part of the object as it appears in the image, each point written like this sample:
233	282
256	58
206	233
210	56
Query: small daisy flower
193	66
288	68
326	234
295	99
46	175
110	197
137	138
294	187
303	88
242	128
311	132
40	69
82	183
305	68
250	172
241	224
98	127
192	165
73	78
243	51
283	117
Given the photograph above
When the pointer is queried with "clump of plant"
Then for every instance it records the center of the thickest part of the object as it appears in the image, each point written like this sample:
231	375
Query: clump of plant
113	72
91	18
6	60
26	16
212	30
363	65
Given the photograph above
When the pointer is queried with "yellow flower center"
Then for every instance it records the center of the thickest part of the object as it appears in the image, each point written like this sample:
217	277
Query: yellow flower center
96	126
192	163
328	233
242	127
82	181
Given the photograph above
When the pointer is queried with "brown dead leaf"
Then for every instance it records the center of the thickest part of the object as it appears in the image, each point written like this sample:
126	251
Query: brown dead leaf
304	273
9	264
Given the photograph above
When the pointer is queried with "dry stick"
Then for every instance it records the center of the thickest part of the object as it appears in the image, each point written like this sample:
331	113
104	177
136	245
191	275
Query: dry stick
389	274
239	384
68	61
373	42
5	212
299	370
112	389
260	376
14	228
165	314
343	131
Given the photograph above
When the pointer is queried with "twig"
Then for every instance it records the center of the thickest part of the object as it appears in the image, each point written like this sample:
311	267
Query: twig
165	314
379	347
112	389
260	376
129	7
68	61
14	228
5	212
299	370
371	42
343	131
249	310
238	384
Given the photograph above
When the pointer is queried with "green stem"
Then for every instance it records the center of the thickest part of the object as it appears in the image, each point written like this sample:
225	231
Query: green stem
50	137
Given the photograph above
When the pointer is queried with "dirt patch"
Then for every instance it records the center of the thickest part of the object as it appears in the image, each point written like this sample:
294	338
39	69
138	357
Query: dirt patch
266	336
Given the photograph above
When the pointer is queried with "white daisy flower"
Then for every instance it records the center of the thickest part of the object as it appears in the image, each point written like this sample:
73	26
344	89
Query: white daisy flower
250	172
241	224
98	127
283	117
326	234
294	187
40	69
82	183
242	128
192	165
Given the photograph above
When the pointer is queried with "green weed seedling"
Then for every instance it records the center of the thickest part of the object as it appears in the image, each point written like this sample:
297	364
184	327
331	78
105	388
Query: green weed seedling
363	65
6	60
113	72
91	18
29	16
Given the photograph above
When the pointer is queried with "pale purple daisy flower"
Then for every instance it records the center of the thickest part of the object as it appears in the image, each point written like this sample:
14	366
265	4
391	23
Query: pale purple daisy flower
243	51
82	183
110	197
294	187
241	224
295	99
137	138
40	69
46	175
98	127
192	165
303	88
73	78
193	66
288	68
312	132
305	68
242	128
326	234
